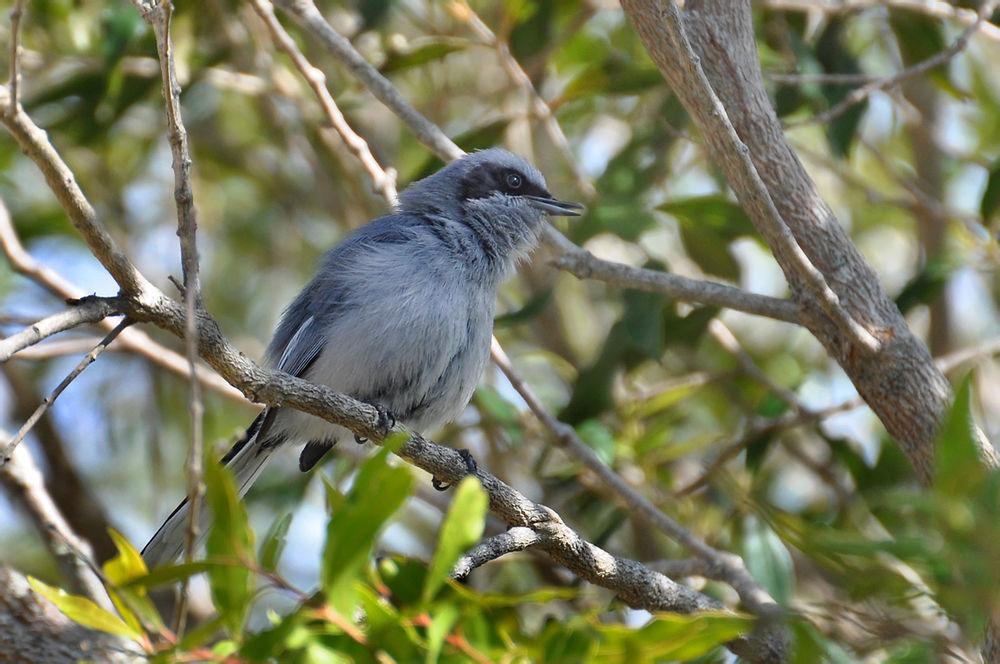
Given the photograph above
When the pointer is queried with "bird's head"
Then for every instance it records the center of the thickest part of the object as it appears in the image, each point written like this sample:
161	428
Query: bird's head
499	195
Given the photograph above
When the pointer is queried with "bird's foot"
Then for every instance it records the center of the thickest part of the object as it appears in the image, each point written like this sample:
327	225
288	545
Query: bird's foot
470	468
386	422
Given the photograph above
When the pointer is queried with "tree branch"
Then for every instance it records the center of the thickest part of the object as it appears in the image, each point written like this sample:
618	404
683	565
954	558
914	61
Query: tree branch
157	14
518	538
35	143
82	312
24	483
584	265
858	95
383	180
133	340
7	449
901	383
932	8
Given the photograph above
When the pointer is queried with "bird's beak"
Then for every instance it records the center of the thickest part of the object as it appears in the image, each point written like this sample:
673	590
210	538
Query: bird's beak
555	207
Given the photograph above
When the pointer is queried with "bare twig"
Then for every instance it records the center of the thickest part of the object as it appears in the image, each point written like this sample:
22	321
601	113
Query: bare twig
132	340
16	12
725	337
539	106
157	14
516	539
585	265
83	312
25	484
932	8
754	431
306	13
8	448
975	352
383	179
731	567
858	95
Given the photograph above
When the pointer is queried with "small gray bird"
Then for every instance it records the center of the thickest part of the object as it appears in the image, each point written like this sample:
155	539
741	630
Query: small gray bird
399	314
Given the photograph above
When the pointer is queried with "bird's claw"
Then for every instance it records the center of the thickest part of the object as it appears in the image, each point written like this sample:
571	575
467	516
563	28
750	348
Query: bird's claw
470	468
386	423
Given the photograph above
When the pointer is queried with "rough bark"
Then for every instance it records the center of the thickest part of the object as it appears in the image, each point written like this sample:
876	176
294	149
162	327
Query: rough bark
899	381
33	631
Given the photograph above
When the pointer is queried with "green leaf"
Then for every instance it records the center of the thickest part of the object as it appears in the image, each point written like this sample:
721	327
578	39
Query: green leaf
708	225
378	491
462	527
420	54
768	560
83	611
274	543
442	622
127	566
229	537
671	636
991	196
957	467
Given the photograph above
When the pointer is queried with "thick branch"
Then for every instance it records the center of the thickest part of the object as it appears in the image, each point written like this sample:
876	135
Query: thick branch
900	383
33	630
24	483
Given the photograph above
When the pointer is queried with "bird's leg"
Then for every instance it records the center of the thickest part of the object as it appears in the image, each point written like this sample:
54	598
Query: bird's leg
470	468
386	422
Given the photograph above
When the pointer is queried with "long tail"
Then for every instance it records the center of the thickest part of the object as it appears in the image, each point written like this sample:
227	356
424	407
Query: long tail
245	460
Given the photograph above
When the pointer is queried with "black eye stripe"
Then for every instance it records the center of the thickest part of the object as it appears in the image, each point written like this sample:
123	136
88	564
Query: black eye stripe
490	179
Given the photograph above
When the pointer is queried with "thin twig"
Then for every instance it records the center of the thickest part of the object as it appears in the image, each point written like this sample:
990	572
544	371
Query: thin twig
383	179
306	13
725	337
858	95
16	12
515	539
540	107
82	313
754	431
584	265
9	446
133	340
754	597
158	14
933	8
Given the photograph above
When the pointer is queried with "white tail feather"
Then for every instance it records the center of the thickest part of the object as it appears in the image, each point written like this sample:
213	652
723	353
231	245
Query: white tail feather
167	544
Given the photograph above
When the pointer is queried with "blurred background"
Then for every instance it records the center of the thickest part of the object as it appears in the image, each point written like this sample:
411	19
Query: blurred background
656	387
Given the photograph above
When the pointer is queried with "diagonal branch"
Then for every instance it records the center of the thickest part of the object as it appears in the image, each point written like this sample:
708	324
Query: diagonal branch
8	447
132	340
24	482
383	180
858	95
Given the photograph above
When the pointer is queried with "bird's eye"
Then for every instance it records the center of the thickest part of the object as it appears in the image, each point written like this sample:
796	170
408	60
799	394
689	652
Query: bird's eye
513	180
